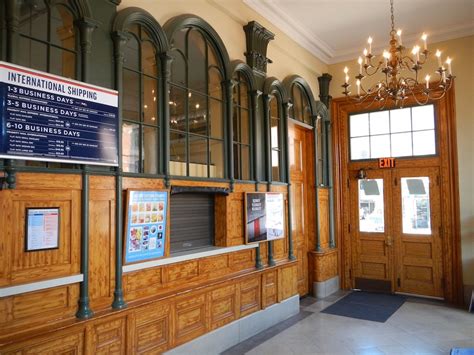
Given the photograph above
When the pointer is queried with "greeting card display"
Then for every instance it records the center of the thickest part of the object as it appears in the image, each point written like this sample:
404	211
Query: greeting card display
145	232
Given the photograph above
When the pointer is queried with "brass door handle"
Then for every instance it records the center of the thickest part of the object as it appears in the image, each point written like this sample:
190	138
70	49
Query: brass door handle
388	241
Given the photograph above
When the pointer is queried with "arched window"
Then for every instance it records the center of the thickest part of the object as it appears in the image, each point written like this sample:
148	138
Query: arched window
140	116
300	110
241	129
276	122
196	107
48	38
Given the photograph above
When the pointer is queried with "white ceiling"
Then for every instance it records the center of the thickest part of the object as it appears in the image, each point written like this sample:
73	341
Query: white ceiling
337	30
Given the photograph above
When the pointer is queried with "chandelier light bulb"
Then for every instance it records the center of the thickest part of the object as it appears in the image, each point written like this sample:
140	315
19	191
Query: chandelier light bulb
424	37
347	79
358	87
360	64
399	34
438	54
427	78
369	41
448	62
416	53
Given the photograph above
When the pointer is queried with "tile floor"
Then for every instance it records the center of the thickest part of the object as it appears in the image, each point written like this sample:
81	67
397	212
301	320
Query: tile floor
418	327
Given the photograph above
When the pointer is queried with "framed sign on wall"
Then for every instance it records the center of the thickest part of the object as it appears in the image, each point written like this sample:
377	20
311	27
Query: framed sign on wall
42	228
145	226
264	217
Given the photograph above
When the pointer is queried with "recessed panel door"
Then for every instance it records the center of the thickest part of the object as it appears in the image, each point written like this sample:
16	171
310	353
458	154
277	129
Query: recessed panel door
371	232
417	231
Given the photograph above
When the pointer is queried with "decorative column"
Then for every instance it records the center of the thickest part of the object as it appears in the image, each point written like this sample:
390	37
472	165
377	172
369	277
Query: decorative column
257	40
13	37
120	39
228	86
286	108
166	61
86	28
325	257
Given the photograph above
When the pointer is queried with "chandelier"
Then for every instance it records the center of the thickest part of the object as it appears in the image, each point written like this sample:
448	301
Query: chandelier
399	74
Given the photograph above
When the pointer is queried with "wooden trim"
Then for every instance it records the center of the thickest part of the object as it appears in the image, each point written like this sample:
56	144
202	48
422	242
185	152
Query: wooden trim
446	161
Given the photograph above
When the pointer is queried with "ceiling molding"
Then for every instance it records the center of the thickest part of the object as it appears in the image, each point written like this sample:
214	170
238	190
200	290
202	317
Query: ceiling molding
445	34
325	52
292	29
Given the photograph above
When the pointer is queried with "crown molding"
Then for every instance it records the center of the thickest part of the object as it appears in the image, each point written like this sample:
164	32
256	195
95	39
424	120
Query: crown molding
328	54
292	29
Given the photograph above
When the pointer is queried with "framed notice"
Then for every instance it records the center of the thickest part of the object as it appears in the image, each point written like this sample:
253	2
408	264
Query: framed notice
145	228
42	228
46	117
264	217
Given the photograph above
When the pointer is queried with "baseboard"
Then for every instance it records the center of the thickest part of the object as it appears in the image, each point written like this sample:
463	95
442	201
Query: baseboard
325	288
233	333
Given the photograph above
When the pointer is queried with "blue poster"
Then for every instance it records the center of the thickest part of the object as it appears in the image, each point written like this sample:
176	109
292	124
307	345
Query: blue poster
145	233
50	118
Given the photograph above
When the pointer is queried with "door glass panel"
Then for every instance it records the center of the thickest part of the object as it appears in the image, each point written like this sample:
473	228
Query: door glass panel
371	206
416	205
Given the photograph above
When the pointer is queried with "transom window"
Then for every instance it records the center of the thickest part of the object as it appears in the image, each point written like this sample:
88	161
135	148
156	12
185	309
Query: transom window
196	107
140	129
300	109
393	133
47	38
241	129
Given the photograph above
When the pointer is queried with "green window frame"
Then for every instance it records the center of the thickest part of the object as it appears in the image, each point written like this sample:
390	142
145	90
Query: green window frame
300	110
242	129
197	107
140	104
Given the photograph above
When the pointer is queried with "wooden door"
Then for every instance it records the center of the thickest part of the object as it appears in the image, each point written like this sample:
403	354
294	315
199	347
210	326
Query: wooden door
417	231
299	155
371	231
395	231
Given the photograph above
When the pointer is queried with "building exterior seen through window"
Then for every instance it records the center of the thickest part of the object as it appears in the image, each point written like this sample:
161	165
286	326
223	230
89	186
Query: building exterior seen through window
275	138
402	132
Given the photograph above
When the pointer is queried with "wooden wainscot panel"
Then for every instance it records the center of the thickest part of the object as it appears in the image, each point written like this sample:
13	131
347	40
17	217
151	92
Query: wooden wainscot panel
235	218
37	308
287	282
101	247
46	264
190	318
5	237
249	295
102	183
28	181
223	307
142	183
269	288
214	266
323	194
220	227
181	272
107	336
64	342
142	283
242	260
152	328
325	265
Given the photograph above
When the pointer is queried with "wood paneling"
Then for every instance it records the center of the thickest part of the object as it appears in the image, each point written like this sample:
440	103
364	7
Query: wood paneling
190	318
152	328
249	296
181	272
107	336
325	265
323	215
269	288
287	282
101	245
223	306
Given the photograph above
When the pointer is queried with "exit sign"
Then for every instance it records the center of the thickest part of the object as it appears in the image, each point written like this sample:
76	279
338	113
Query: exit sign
385	163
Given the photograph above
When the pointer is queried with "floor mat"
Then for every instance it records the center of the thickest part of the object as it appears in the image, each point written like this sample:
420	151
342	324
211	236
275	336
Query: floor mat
376	307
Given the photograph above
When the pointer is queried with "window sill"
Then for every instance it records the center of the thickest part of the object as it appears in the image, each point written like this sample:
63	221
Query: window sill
186	256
